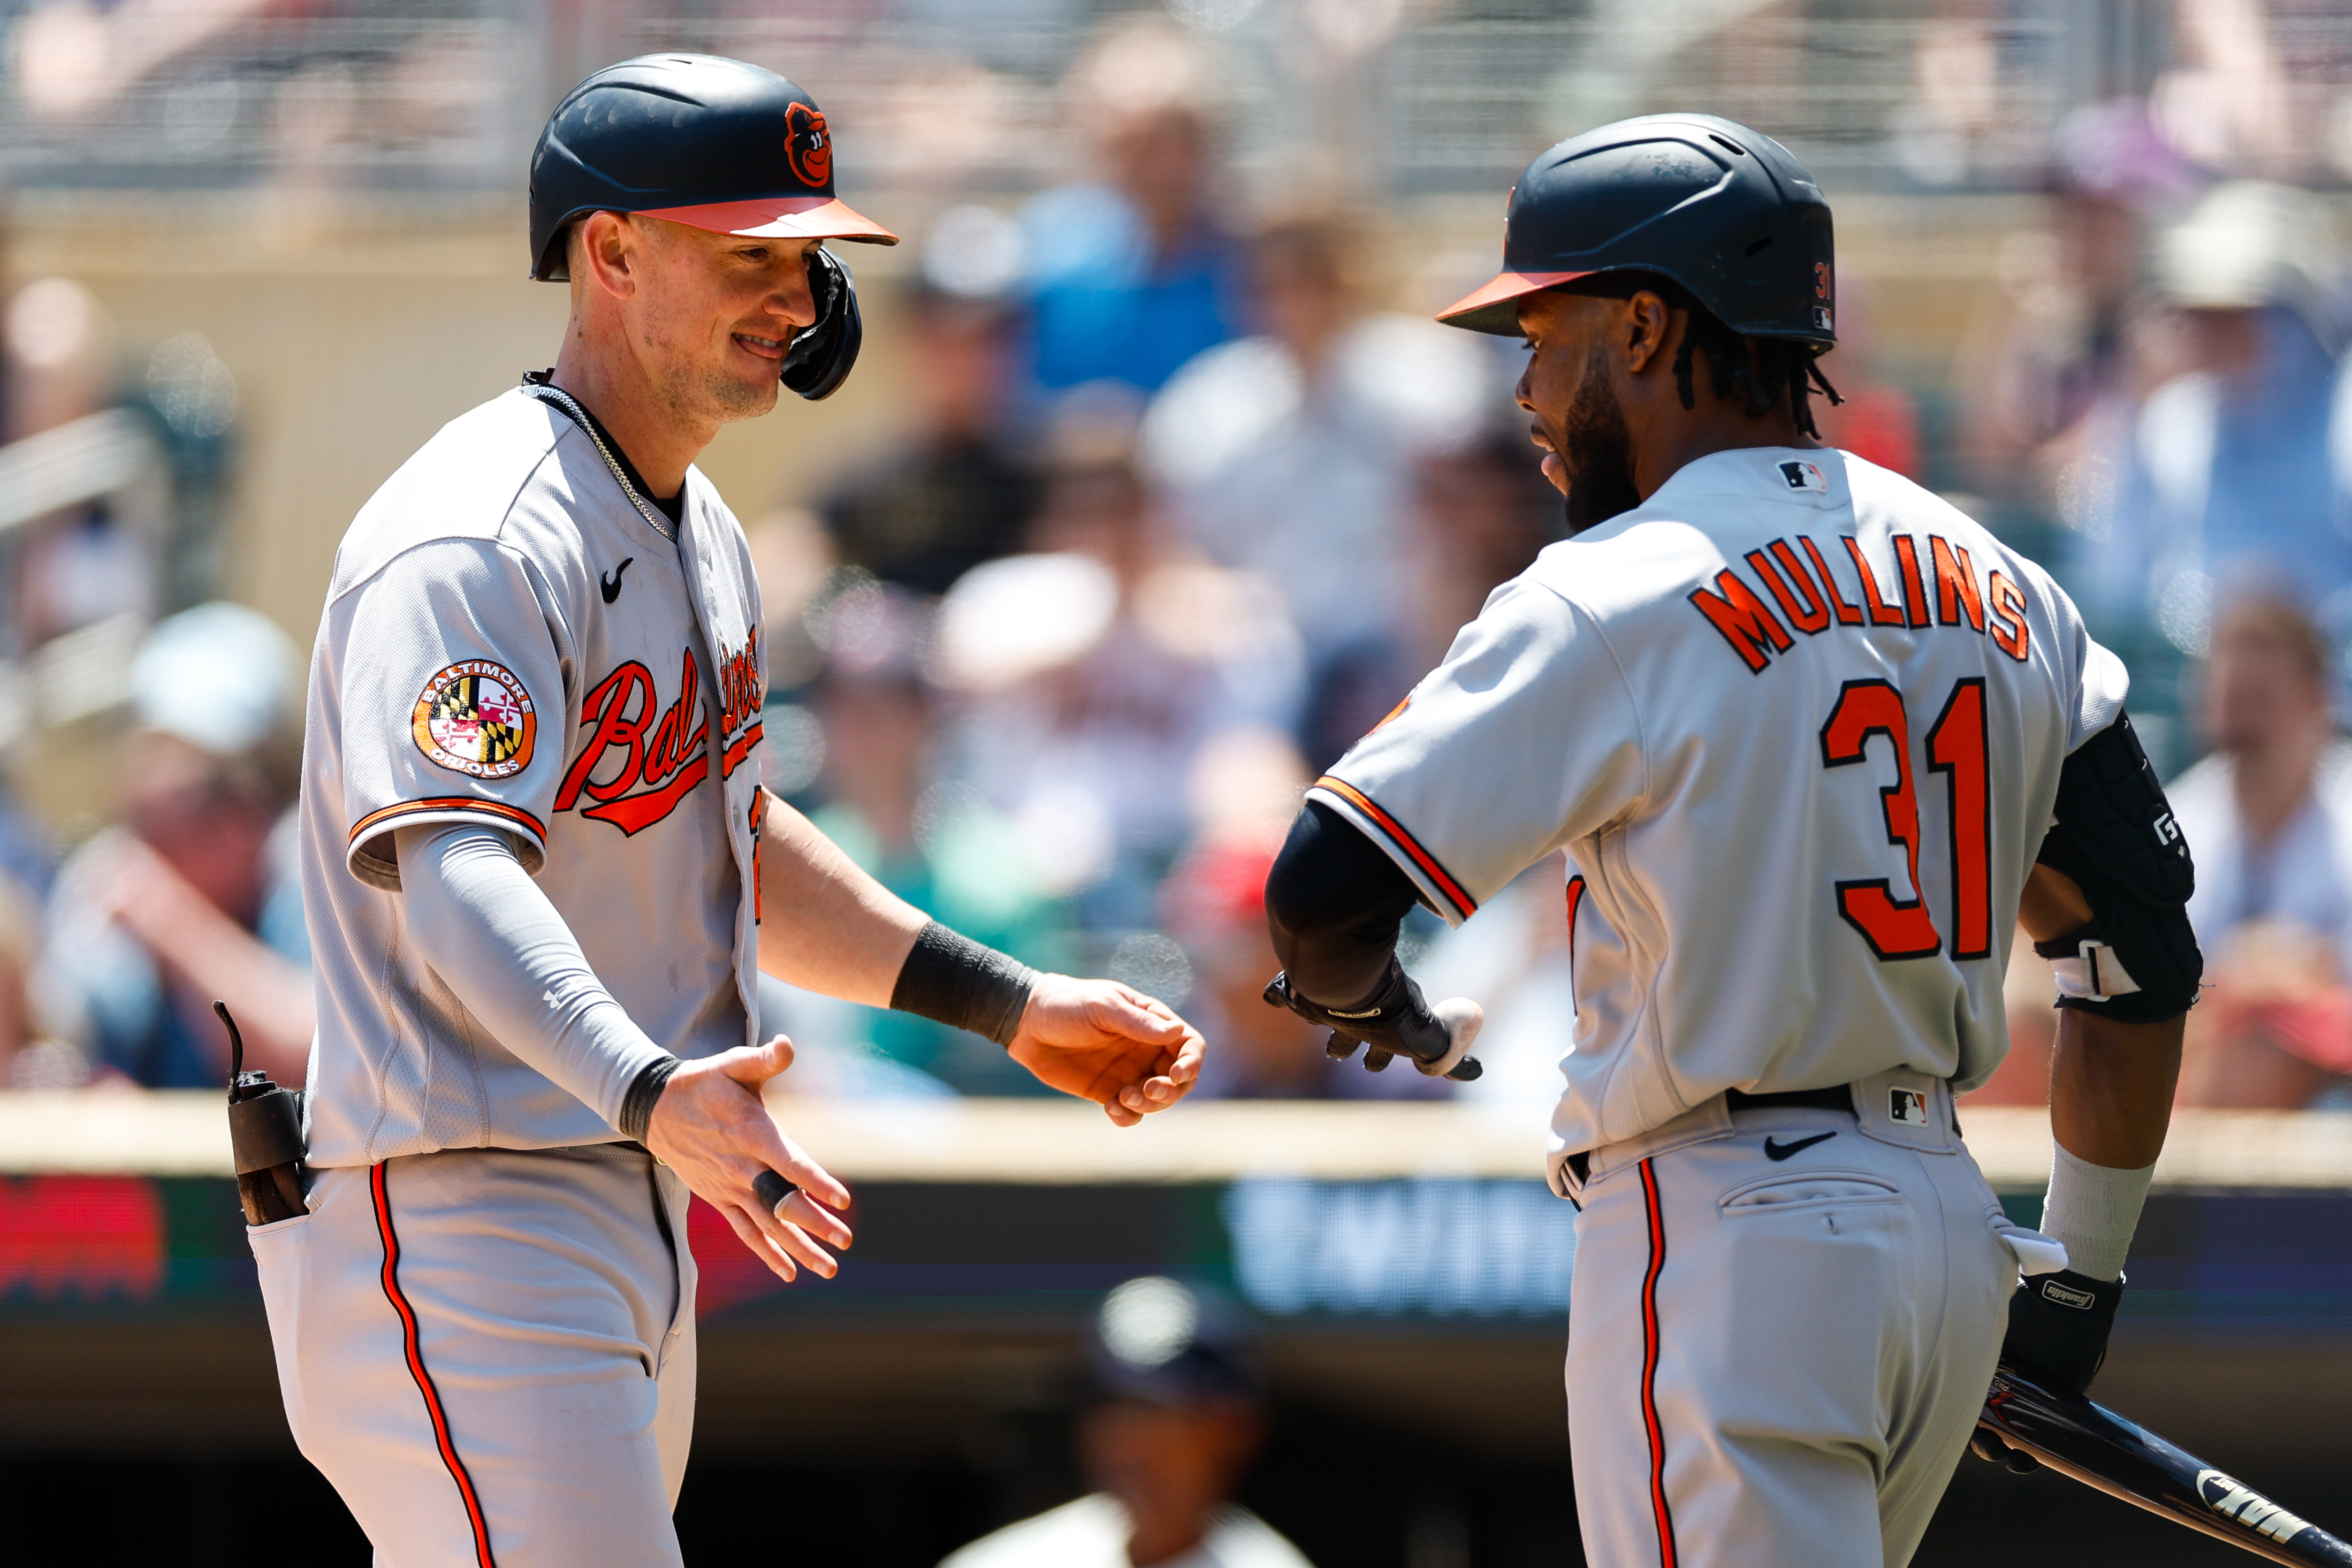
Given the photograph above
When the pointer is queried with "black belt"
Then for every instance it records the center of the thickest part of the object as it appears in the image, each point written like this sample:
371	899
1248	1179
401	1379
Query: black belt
1837	1096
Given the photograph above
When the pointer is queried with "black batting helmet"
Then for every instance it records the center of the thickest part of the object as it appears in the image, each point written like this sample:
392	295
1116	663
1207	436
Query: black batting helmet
696	139
1727	212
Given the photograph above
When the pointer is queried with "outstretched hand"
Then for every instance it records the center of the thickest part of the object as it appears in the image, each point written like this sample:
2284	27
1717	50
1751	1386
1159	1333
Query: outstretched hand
1100	1041
712	1128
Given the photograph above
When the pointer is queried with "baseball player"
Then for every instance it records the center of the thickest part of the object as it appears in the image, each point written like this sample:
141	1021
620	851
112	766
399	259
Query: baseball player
541	874
1812	740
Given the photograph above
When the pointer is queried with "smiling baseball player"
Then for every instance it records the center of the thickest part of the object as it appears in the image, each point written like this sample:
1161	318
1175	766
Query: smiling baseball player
1804	731
541	873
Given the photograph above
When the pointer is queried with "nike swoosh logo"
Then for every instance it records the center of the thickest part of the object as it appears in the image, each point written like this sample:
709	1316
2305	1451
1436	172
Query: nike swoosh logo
611	584
1775	1150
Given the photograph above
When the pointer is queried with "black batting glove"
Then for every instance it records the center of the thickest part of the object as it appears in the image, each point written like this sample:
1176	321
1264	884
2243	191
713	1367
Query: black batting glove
2058	1326
1395	1021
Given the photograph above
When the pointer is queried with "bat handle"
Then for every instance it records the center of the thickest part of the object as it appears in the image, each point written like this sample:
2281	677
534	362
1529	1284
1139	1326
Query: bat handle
772	1190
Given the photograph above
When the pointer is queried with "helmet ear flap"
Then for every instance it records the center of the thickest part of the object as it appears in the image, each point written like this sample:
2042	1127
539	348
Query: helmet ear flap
822	353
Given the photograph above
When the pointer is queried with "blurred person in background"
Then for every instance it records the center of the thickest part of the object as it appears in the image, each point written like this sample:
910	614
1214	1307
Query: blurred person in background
1290	453
1214	903
28	1058
1177	1415
938	849
87	562
1095	669
1130	272
2269	816
1874	419
2228	477
1478	515
950	494
194	895
2052	380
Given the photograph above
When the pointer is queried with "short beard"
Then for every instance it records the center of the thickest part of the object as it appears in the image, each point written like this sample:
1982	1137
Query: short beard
716	395
735	400
1600	456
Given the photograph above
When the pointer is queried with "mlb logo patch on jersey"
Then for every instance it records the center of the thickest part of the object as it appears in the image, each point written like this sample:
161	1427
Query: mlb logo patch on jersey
1906	1107
1805	477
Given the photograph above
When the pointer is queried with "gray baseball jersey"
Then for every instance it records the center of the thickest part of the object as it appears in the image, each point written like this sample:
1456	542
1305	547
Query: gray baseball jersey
510	639
1799	724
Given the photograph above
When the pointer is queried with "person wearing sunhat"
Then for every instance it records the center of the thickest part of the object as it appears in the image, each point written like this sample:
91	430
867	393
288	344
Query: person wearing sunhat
1177	1414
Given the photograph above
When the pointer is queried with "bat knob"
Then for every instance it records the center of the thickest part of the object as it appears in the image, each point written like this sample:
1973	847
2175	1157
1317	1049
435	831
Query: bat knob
1466	1070
772	1190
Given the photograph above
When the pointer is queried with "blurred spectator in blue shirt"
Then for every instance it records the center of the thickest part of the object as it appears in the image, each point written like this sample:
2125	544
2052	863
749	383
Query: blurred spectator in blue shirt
2228	480
196	895
1131	274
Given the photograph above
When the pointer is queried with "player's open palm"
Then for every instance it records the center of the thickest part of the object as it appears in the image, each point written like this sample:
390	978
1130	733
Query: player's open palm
1100	1041
711	1127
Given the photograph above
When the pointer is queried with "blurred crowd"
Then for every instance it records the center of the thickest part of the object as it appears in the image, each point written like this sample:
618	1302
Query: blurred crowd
1183	494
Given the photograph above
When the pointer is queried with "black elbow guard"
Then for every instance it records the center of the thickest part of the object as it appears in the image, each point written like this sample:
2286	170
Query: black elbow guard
2137	961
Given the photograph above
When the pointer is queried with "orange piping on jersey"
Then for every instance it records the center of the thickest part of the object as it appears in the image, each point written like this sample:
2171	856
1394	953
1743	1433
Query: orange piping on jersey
1882	614
1464	903
1812	615
1743	620
1915	589
414	1351
375	819
2009	633
740	750
1668	1555
1846	614
1955	583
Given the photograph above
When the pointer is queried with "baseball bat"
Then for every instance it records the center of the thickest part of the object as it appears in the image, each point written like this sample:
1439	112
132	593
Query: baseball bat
2099	1448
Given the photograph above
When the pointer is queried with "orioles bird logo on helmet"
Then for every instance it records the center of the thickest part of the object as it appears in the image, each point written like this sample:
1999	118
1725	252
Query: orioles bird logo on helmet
807	145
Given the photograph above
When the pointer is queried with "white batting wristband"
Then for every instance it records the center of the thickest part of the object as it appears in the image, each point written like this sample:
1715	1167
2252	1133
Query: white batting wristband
2093	975
1463	1019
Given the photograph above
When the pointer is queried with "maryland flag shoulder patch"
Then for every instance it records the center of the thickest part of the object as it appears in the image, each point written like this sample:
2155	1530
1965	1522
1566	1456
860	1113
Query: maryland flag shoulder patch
474	718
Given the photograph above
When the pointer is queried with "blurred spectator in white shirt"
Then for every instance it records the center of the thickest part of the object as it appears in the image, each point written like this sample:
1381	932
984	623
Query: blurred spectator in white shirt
195	896
1290	453
1178	1414
938	848
2268	816
1096	669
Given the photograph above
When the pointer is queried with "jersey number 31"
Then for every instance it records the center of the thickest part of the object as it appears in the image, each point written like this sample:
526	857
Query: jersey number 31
1903	928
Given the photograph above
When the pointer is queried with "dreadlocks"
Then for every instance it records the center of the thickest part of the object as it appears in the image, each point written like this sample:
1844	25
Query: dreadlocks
1754	373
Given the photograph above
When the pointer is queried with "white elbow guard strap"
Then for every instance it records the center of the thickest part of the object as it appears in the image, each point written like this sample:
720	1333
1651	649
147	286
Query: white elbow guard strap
2137	960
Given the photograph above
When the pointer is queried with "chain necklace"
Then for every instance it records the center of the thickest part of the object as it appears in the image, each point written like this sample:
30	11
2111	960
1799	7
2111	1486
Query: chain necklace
548	392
